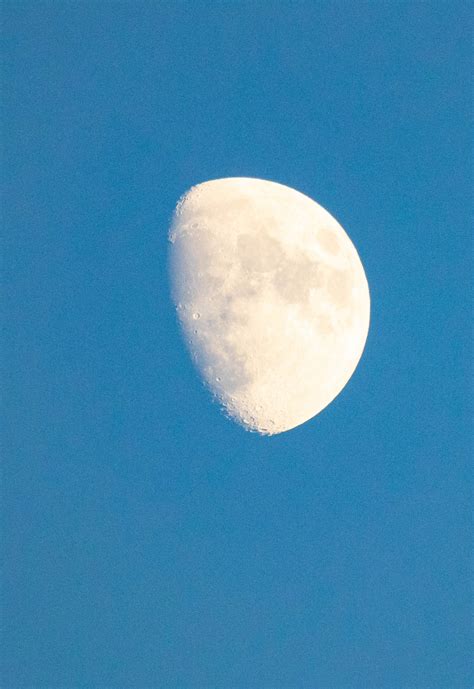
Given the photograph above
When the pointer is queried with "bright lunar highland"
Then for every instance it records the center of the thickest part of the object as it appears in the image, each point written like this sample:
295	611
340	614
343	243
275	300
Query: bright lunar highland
272	298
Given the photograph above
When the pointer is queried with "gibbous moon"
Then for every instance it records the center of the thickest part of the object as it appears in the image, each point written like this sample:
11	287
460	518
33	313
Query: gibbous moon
272	299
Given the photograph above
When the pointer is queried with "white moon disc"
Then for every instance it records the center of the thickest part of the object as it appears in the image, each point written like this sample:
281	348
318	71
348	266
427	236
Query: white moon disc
272	298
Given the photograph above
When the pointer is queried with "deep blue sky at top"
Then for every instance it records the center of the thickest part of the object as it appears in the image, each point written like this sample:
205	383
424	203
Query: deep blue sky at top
150	543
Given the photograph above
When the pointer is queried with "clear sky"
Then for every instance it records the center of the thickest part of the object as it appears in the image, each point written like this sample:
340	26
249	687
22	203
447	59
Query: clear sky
148	542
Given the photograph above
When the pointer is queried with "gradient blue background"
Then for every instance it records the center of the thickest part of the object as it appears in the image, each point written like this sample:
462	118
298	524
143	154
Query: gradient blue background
150	543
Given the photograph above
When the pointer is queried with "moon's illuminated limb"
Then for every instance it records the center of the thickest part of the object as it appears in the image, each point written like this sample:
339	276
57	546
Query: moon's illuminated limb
272	298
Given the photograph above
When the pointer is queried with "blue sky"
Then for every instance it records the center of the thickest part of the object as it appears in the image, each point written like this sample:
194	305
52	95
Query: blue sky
150	543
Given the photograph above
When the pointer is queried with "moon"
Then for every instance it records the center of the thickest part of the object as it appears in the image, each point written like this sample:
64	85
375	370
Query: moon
272	299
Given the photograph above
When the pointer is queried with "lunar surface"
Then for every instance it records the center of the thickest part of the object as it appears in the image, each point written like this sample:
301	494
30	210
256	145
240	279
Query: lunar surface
272	299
